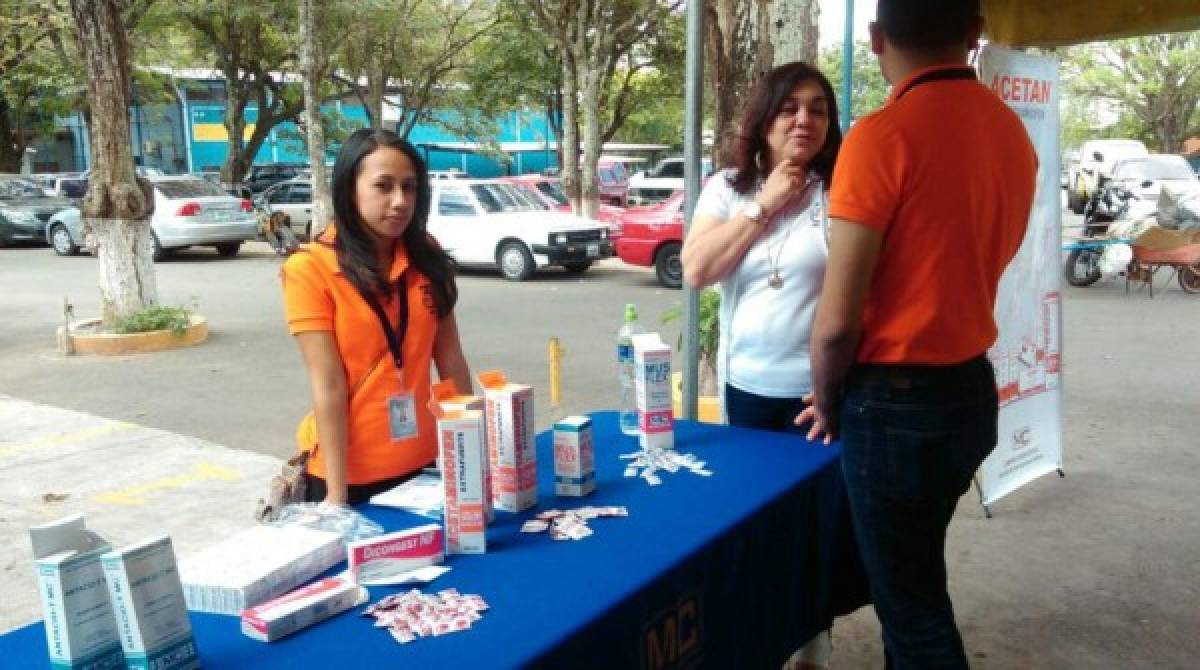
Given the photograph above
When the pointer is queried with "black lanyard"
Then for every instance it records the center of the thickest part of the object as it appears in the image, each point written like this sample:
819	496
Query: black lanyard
963	72
395	341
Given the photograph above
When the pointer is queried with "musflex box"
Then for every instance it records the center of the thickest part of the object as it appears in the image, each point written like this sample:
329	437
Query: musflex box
512	453
574	457
460	444
447	394
652	387
81	631
147	598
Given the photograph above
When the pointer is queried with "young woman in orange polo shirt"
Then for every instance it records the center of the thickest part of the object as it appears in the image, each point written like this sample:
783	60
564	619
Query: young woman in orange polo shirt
371	304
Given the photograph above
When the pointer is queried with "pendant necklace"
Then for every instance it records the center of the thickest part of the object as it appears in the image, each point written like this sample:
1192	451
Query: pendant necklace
774	279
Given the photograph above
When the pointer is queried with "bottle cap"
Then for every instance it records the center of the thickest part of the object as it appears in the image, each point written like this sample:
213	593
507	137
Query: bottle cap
631	312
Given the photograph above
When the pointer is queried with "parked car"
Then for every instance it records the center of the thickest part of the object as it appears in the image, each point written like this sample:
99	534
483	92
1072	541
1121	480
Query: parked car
647	188
25	209
550	192
614	181
652	236
294	198
1095	166
262	177
188	211
498	224
1145	178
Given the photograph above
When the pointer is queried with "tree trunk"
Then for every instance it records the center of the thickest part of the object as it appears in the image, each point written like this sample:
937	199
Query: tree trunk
235	168
12	145
570	135
793	32
310	66
738	57
376	89
590	189
118	205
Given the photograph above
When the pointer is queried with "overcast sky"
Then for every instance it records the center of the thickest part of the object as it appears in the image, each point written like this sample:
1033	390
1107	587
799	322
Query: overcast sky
833	20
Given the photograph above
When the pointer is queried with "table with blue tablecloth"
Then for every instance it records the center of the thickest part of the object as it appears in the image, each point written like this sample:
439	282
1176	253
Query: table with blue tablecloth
733	570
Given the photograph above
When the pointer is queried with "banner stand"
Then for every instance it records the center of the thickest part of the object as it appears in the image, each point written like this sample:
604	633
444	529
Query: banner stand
987	511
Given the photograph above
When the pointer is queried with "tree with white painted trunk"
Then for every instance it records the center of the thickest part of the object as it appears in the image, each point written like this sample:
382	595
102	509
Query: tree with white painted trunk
593	37
314	67
118	204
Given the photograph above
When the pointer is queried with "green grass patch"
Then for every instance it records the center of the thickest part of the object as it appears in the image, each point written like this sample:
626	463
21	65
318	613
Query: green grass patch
158	317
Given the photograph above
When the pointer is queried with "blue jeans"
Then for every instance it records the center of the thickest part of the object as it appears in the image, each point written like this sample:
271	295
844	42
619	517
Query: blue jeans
750	410
912	438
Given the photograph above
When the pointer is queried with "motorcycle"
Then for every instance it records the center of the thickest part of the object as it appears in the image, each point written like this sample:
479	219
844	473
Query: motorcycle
1108	204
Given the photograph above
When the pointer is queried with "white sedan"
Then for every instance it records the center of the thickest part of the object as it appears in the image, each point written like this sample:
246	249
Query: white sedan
482	222
188	211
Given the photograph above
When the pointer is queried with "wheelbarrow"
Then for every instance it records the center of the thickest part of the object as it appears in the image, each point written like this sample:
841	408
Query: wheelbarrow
1183	262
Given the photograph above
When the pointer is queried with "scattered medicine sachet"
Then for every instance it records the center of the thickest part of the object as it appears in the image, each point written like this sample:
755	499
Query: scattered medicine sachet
648	462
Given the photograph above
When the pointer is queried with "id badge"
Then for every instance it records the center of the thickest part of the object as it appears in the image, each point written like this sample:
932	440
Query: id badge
402	416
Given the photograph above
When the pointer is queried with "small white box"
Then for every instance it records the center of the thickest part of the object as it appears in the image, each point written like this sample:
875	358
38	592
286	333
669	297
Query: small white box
147	597
574	457
301	608
446	394
460	442
80	626
652	387
512	453
257	565
395	553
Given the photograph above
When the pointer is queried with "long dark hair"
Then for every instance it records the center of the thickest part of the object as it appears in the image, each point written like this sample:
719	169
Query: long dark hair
763	105
353	243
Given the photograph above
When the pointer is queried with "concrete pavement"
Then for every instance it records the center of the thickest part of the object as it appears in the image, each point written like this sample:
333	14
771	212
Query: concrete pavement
131	482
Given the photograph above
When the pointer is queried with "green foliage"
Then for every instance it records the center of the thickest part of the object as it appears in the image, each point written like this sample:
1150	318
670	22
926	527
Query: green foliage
158	317
708	324
868	90
337	127
1152	83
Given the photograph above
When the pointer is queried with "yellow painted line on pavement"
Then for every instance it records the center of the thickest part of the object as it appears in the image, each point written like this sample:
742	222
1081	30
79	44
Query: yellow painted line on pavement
66	438
136	495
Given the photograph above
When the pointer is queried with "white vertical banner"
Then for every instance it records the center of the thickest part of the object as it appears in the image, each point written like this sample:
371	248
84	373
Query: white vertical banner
1028	351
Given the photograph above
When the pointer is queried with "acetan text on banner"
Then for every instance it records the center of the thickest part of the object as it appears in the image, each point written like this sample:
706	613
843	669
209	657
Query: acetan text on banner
1027	354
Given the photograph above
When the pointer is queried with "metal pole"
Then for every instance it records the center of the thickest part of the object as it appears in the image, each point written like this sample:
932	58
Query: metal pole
847	66
693	149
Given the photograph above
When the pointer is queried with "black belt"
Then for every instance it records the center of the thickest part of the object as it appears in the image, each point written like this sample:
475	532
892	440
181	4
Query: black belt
907	375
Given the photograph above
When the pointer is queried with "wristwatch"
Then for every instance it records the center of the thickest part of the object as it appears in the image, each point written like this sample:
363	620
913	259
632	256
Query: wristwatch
755	213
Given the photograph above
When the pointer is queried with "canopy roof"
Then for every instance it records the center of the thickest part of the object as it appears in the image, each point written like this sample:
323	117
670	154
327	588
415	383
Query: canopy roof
1022	23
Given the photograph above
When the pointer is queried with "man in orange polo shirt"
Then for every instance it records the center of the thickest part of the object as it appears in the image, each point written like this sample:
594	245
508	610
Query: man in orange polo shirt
930	200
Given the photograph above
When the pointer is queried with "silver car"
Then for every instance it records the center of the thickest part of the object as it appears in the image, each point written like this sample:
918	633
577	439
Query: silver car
188	211
25	209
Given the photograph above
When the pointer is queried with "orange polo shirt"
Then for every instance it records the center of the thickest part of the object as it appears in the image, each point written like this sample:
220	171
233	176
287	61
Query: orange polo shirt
947	173
317	297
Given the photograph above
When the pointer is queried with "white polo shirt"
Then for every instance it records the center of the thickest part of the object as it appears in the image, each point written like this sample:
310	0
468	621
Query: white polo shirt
765	331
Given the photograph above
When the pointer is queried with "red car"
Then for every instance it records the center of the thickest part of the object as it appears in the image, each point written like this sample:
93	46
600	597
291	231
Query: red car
653	236
549	190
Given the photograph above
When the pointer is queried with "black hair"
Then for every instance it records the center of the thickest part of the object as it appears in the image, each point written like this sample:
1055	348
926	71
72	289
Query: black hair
353	243
762	106
927	25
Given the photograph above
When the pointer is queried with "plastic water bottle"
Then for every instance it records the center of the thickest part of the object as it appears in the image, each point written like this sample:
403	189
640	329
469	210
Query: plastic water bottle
625	370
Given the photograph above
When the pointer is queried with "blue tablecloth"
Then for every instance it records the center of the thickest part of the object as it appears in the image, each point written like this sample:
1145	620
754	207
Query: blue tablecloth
733	570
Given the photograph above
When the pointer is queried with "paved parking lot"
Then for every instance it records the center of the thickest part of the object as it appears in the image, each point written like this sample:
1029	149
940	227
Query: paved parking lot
1096	570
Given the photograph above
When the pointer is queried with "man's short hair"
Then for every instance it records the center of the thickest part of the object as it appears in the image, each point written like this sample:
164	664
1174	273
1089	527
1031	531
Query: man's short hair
927	25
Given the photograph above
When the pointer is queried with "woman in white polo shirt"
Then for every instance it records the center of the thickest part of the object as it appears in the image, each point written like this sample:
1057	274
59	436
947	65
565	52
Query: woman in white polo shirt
759	233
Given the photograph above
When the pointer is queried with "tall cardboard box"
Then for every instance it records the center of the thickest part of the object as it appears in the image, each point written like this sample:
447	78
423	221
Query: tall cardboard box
512	452
448	396
652	388
81	631
460	442
147	597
